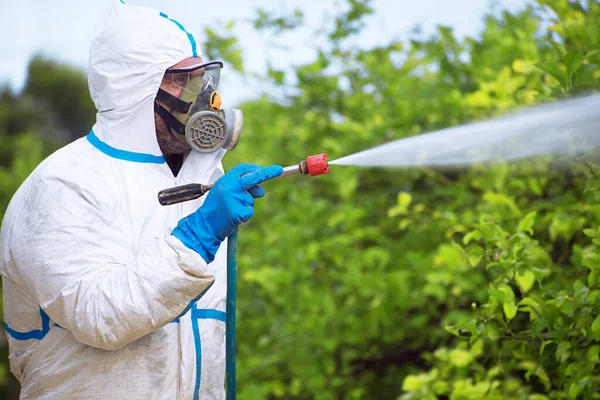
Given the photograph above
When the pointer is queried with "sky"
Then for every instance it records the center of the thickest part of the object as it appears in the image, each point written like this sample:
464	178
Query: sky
63	29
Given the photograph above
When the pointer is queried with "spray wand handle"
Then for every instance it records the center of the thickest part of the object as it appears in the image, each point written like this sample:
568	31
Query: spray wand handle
182	193
313	165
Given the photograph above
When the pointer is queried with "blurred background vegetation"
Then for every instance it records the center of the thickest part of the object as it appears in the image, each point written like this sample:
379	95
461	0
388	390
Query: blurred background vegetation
481	283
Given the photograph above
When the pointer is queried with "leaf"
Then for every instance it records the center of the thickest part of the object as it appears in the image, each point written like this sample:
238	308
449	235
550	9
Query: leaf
592	353
415	382
526	224
518	247
440	387
510	310
492	331
593	233
509	295
522	66
563	351
573	61
575	65
592	278
460	358
527	365
404	199
560	49
468	326
596	328
531	303
452	330
465	389
489	232
525	280
401	208
543	346
472	235
577	387
453	256
475	255
494	264
591	54
580	290
540	274
519	351
501	199
553	71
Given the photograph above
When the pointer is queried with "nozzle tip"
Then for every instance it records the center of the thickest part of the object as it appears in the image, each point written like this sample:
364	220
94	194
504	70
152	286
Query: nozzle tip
317	164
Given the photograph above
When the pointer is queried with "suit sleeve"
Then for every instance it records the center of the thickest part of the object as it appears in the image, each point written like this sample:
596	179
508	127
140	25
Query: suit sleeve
76	260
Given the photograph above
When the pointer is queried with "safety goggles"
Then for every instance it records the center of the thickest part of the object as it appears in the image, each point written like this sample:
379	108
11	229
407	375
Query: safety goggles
196	78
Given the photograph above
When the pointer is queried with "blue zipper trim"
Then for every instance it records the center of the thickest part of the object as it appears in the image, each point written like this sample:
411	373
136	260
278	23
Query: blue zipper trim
200	313
34	334
123	154
189	35
198	346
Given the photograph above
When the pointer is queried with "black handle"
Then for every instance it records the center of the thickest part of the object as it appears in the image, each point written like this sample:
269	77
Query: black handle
182	193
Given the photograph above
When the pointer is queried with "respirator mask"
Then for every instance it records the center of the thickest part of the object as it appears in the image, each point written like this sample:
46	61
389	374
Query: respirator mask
196	117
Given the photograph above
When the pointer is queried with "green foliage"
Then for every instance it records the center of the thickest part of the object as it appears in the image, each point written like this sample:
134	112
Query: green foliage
482	283
221	44
22	144
352	21
418	284
278	24
62	93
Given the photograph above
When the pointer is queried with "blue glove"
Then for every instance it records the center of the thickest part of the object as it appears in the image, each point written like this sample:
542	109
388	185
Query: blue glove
228	204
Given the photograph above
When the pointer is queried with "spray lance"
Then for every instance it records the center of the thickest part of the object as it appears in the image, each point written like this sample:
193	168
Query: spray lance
313	166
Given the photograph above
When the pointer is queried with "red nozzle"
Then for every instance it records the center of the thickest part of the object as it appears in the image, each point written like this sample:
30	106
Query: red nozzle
317	164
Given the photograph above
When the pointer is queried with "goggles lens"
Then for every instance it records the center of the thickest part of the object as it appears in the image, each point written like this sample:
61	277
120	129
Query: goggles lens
197	79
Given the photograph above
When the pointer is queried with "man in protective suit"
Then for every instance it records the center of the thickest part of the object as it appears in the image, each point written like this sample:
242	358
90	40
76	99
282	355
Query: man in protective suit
107	294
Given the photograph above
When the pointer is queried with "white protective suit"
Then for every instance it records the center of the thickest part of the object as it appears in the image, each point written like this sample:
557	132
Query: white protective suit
94	284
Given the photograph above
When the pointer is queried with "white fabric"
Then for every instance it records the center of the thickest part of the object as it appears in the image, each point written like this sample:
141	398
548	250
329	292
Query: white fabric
93	280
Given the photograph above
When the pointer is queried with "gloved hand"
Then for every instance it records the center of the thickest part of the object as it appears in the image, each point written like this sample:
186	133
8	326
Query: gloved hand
228	204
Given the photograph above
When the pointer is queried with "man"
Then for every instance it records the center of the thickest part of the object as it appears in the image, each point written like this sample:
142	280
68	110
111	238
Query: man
107	294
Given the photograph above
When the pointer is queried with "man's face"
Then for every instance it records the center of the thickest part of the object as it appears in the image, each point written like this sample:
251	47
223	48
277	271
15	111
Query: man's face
167	142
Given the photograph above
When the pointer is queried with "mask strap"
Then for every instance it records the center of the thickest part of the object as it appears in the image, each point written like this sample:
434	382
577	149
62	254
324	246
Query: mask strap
172	101
170	120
